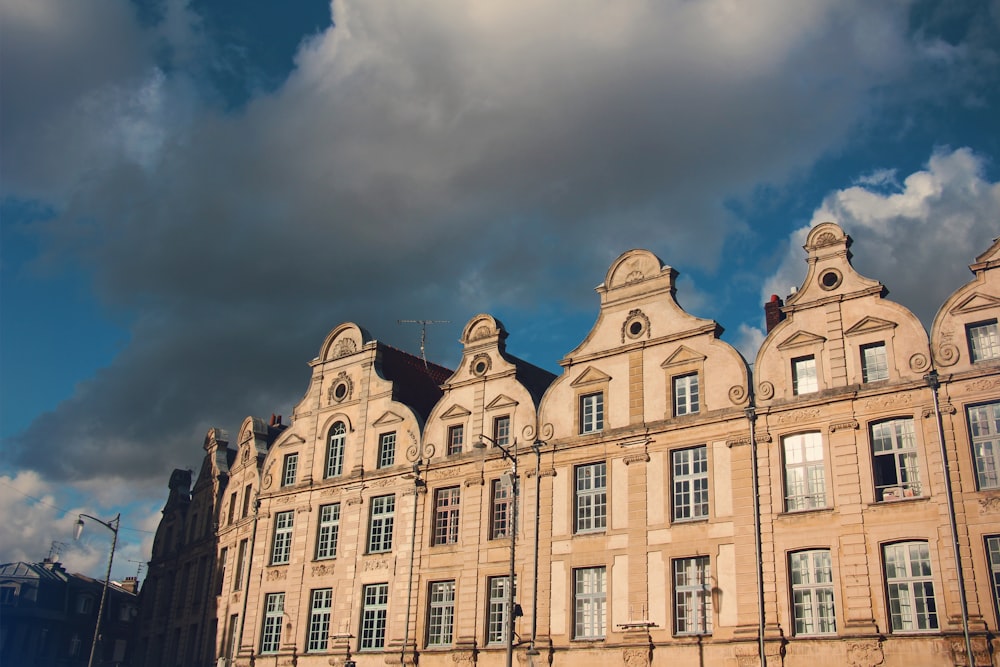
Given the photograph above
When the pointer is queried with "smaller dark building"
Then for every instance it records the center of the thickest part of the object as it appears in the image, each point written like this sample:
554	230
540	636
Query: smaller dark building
47	617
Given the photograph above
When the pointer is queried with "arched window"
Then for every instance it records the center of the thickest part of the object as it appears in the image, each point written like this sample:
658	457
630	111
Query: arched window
335	451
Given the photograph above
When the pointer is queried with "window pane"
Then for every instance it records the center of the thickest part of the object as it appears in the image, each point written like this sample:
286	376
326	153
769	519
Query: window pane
805	472
319	619
984	341
804	375
591	413
984	426
591	497
589	599
335	451
446	516
386	450
375	601
692	596
912	606
690	478
441	616
329	531
811	574
895	460
686	395
874	364
383	510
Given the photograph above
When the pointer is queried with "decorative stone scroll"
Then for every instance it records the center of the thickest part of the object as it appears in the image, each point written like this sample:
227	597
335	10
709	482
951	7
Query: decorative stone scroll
277	575
847	425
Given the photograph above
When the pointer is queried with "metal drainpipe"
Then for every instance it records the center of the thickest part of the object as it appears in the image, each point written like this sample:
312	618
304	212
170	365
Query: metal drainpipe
751	413
513	553
413	549
934	383
532	651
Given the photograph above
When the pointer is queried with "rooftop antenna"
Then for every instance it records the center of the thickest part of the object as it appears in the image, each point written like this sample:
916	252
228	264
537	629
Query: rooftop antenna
423	333
138	569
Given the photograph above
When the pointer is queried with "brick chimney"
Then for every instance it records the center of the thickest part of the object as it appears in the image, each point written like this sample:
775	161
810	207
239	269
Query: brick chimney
772	312
131	584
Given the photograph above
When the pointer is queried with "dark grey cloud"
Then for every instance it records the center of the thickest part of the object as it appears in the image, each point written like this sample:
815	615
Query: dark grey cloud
423	160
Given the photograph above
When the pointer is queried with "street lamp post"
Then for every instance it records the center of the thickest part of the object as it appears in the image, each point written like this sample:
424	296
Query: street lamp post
113	527
510	454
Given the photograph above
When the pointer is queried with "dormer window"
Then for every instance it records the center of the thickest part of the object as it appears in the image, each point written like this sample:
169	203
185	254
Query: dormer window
592	412
874	364
804	375
984	341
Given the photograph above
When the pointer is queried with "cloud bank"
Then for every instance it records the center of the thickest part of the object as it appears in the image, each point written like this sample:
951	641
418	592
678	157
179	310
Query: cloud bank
422	160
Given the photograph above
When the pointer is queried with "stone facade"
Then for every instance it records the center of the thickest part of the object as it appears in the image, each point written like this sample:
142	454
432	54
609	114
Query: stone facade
663	503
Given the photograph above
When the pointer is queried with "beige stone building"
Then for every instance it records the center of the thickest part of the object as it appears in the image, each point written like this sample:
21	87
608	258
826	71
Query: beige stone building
660	502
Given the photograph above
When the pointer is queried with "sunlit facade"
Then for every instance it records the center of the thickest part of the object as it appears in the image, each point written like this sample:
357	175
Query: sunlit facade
666	501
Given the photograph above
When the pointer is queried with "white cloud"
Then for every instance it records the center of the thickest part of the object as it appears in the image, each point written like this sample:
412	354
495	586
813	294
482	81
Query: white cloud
918	241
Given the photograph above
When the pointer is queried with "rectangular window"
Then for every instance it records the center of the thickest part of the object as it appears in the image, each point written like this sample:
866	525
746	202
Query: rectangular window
383	512
232	644
805	472
910	587
686	395
812	592
221	573
804	375
984	341
270	636
386	449
329	531
319	619
692	596
441	614
232	508
247	496
894	453
690	470
501	431
589	602
874	363
592	413
984	426
496	615
335	451
281	549
500	511
289	468
375	606
456	438
446	504
591	497
993	555
241	559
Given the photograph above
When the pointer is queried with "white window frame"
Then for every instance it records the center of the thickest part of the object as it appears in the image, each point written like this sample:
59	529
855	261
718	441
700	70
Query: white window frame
804	377
386	449
456	438
687	394
805	471
692	596
894	452
447	503
590	610
441	613
984	434
328	533
590	497
592	412
289	469
335	451
984	341
320	608
501	431
500	509
813	608
380	524
909	587
281	546
374	612
690	483
874	362
270	635
496	614
993	560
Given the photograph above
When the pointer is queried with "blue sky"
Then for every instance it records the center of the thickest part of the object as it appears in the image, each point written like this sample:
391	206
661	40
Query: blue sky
193	193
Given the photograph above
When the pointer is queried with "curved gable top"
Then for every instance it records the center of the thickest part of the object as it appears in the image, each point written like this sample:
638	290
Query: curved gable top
636	272
343	341
484	329
830	273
